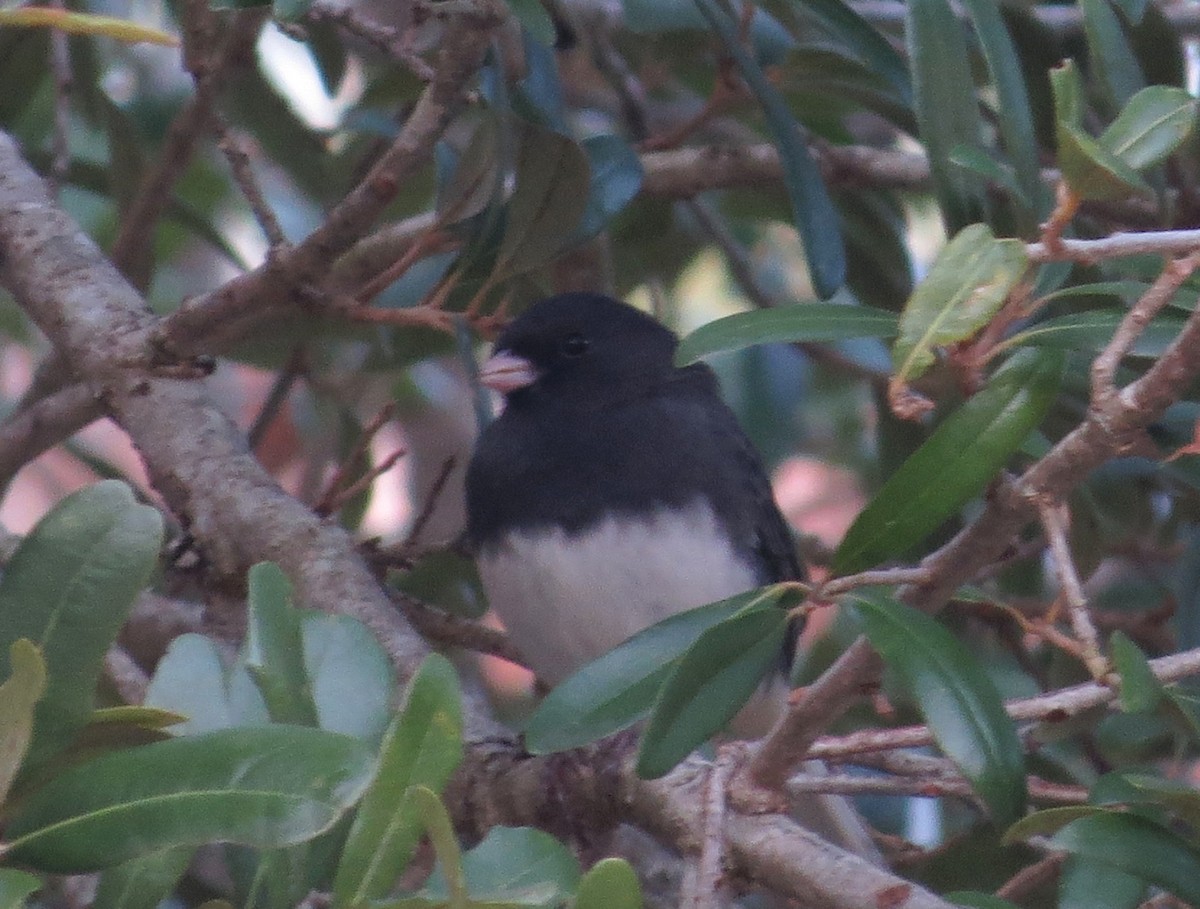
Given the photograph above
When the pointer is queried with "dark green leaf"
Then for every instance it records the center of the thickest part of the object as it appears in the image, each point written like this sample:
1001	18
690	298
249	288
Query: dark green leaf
614	690
1154	123
947	112
1110	53
1015	116
422	748
1093	330
68	588
954	464
1092	171
855	35
812	210
710	684
997	172
1086	884
616	177
968	283
274	651
473	183
1138	847
611	883
1140	690
1181	799
266	786
815	322
549	200
1133	9
955	696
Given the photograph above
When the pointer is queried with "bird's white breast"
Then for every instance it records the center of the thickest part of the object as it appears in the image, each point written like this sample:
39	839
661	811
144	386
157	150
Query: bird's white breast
567	598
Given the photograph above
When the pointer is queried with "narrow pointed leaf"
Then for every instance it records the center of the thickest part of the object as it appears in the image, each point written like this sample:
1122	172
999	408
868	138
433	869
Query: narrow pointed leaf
68	589
1155	122
616	177
813	212
710	683
1093	330
947	111
955	696
85	24
274	647
441	836
968	283
18	696
1085	884
1048	821
1138	847
815	322
954	464
615	690
1110	53
422	748
267	787
1015	113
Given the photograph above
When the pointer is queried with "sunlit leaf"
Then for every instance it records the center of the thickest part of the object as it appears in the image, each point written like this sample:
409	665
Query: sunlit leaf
18	696
84	24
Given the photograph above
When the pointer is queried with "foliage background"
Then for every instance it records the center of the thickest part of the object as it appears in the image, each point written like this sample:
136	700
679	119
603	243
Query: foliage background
246	273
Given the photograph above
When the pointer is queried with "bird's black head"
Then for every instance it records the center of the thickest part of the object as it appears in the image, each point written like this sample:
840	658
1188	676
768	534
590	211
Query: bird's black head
579	343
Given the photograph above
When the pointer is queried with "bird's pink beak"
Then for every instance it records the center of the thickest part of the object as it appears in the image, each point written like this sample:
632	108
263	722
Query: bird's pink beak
505	372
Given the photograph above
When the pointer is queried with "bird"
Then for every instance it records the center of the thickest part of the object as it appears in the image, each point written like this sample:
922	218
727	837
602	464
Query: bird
616	489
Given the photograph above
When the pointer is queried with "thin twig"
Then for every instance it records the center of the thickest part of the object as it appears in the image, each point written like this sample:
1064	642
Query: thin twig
233	148
430	503
703	888
1054	520
1032	877
293	369
452	631
883	576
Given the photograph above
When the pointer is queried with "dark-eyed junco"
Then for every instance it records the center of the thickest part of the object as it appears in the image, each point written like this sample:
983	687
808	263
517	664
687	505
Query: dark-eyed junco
614	490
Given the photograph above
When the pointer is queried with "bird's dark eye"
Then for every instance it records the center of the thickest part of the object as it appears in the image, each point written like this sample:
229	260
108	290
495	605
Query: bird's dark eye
574	345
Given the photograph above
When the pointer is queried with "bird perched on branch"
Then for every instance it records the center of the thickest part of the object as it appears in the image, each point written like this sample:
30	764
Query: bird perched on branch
615	490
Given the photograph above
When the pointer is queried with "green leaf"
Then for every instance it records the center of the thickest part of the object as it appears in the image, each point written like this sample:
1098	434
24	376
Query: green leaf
1048	821
947	112
18	696
1086	884
136	715
614	690
815	322
968	283
422	748
267	787
711	682
1015	113
854	35
813	211
1155	122
955	696
142	883
441	836
15	886
519	867
616	177
1000	173
352	680
611	883
68	588
1140	689
548	202
1093	330
191	679
1089	168
274	648
954	464
1110	53
474	182
1138	847
1182	799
